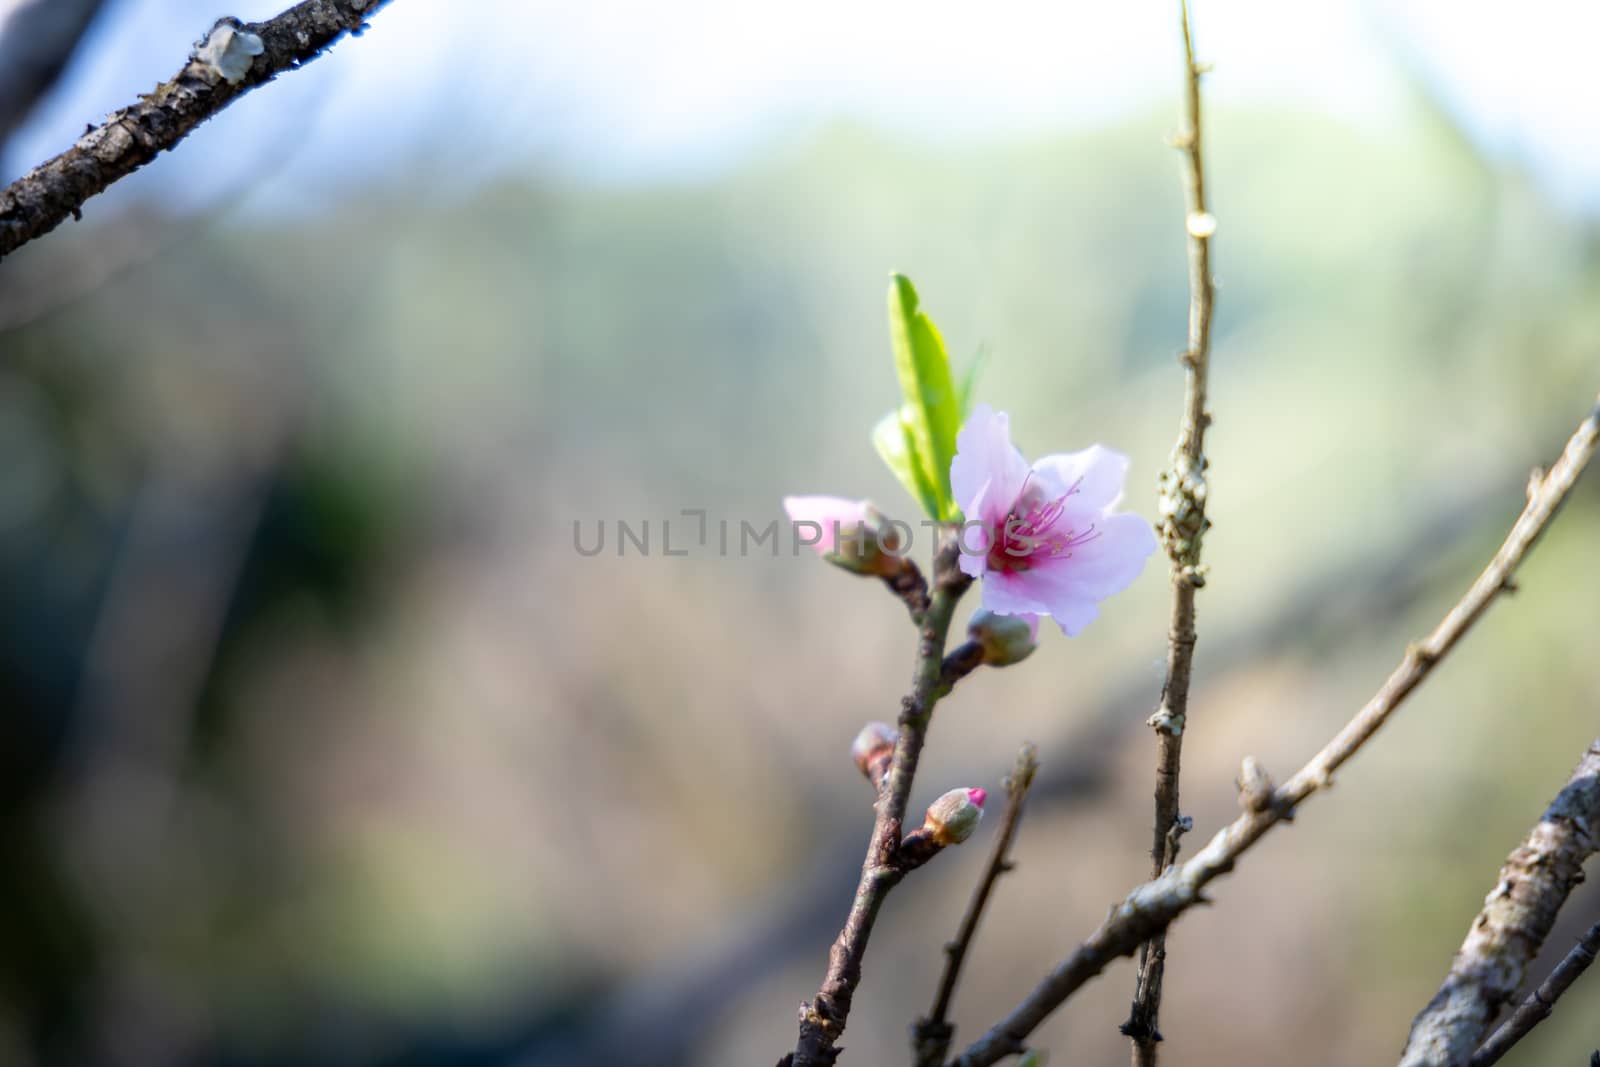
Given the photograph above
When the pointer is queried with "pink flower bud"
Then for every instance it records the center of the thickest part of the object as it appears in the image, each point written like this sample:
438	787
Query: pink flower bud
1006	639
953	817
847	533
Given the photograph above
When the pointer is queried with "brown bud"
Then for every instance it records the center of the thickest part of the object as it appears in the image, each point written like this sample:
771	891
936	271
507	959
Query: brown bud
872	750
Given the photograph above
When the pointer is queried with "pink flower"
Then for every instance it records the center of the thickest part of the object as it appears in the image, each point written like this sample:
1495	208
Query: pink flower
1045	538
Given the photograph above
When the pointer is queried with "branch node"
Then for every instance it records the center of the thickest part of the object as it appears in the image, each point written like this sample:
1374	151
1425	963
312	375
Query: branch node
1166	721
1257	791
1180	826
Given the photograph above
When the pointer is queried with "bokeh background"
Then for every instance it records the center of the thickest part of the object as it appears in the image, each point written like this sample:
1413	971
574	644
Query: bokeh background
322	745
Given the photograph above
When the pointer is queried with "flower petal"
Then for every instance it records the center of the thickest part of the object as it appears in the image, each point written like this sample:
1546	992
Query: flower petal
1020	594
1073	615
973	538
1109	563
1093	476
1011	593
1096	568
985	457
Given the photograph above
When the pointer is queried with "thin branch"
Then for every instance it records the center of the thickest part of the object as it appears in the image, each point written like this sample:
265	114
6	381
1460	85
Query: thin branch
930	1036
1517	916
1541	1002
906	582
1151	907
823	1019
225	67
1184	523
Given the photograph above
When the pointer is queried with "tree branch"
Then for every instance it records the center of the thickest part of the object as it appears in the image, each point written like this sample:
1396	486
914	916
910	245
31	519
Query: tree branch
231	61
906	582
823	1019
930	1036
1151	907
1541	1002
1507	934
1183	524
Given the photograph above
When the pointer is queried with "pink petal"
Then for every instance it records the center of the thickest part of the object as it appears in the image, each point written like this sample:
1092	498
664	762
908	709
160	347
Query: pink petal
1044	590
1012	593
973	539
1093	476
1111	560
831	514
1070	586
1073	615
987	468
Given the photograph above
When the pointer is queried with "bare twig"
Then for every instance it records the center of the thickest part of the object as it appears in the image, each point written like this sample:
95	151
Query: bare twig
1183	524
966	658
1151	907
823	1019
930	1036
1541	1002
217	74
1507	934
907	583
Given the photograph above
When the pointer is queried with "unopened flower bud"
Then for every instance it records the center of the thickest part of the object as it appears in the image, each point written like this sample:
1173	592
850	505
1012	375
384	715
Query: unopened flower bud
847	533
1005	639
873	747
952	818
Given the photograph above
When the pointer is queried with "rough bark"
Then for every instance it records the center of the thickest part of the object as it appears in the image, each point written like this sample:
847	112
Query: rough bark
1541	1002
1507	934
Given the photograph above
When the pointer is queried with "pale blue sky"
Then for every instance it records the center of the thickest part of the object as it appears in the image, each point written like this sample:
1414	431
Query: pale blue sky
617	90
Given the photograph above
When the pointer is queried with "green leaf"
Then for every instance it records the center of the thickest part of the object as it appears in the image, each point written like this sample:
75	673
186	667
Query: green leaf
932	411
969	381
892	438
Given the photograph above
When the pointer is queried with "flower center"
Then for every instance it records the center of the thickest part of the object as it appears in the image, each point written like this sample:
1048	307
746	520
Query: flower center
1028	535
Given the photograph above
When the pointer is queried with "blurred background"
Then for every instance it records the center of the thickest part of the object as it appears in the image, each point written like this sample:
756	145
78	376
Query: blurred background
321	744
